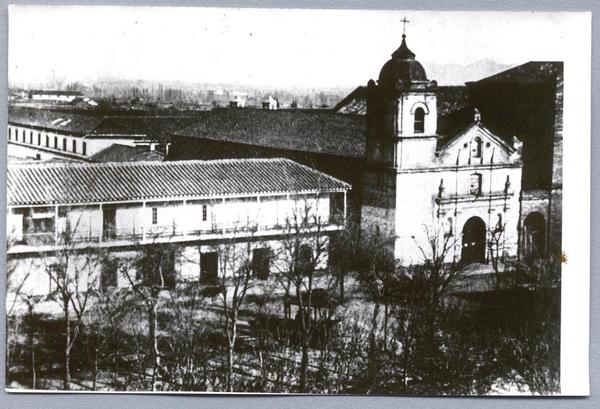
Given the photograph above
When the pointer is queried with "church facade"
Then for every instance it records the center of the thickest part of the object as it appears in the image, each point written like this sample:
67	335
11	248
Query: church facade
458	194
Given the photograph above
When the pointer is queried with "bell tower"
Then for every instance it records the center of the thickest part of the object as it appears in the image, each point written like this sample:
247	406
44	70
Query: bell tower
401	113
401	136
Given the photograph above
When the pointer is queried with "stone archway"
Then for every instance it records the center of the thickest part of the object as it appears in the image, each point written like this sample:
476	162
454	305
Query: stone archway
473	241
534	235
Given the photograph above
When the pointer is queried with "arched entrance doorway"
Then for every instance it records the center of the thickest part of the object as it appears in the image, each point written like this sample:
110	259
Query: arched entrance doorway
534	231
473	241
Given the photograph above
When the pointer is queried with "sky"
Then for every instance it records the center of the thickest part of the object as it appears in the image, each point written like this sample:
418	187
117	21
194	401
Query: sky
269	47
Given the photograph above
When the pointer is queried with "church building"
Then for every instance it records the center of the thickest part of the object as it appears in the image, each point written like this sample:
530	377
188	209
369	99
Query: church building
459	191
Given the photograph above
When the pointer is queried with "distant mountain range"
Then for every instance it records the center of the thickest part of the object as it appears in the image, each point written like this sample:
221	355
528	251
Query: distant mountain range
458	74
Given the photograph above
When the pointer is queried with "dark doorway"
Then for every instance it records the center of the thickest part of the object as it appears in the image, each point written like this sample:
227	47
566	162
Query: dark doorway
209	264
108	223
261	263
156	266
534	235
473	241
109	273
305	260
168	268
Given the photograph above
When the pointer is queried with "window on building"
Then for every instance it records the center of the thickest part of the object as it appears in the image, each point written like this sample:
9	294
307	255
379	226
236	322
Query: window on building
39	139
9	133
336	214
23	135
419	120
38	225
47	141
476	147
64	144
475	184
204	213
56	142
261	263
31	137
83	148
74	147
154	215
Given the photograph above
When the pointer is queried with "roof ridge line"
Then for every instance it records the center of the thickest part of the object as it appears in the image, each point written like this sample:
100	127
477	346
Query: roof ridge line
147	162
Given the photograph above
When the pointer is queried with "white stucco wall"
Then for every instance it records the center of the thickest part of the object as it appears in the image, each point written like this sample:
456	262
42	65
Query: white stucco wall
131	218
407	104
416	208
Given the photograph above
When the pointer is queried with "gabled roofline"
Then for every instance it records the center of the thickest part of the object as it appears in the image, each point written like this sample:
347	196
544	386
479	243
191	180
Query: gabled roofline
485	130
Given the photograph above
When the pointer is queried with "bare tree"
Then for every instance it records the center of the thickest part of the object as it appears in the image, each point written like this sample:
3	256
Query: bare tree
304	250
150	273
345	255
440	273
72	272
104	320
16	279
187	352
376	268
233	281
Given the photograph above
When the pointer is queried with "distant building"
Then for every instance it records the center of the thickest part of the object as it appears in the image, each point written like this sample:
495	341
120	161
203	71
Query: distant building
270	103
77	135
53	95
194	205
238	100
83	102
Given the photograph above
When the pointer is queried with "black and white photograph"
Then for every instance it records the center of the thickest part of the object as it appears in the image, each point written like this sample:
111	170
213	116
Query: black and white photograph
297	201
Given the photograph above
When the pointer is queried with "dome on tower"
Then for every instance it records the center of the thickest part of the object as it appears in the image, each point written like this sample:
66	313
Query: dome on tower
402	66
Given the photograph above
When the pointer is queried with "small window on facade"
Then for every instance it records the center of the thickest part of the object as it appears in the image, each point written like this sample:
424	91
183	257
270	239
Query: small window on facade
9	133
154	215
23	135
39	138
83	148
65	144
56	142
74	147
449	228
475	184
31	137
476	147
419	120
204	213
261	263
47	140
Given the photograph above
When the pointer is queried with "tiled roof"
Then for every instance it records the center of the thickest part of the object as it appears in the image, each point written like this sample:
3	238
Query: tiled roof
528	73
51	119
87	123
124	153
61	183
151	126
354	103
317	131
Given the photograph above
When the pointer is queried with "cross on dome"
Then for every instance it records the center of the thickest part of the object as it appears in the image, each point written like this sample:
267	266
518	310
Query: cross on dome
404	21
